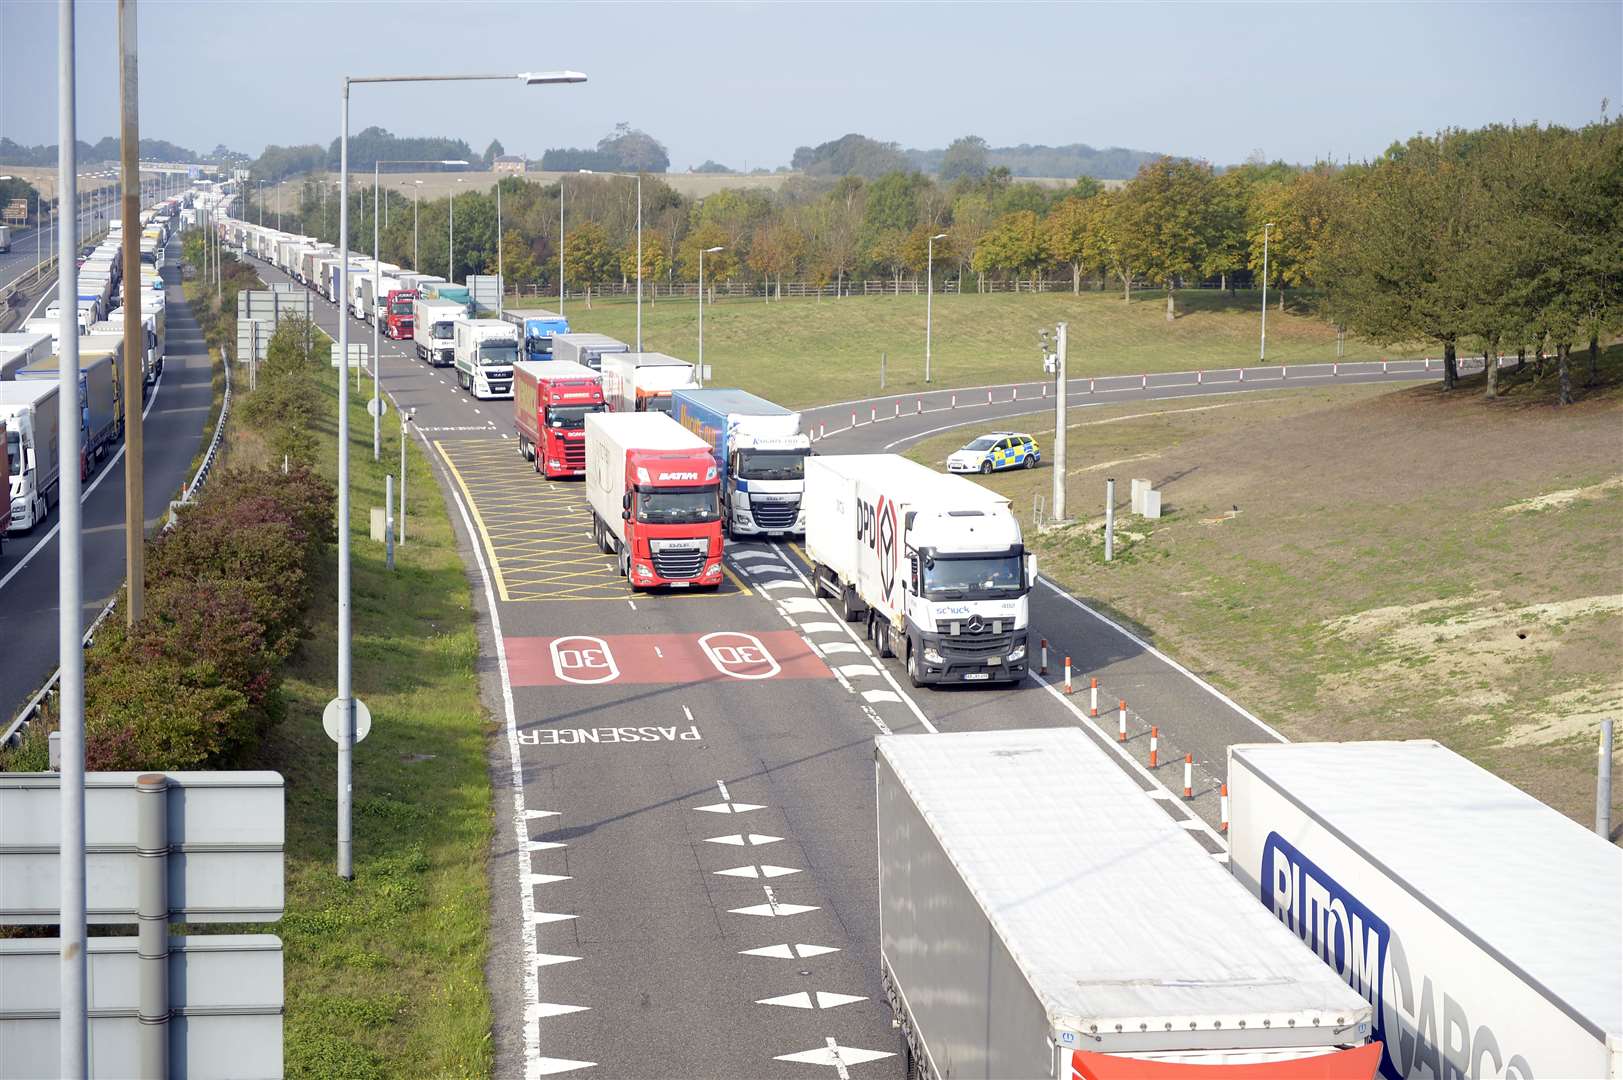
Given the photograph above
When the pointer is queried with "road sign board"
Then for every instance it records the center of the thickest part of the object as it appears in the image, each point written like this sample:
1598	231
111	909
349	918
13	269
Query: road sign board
358	354
225	829
332	714
225	996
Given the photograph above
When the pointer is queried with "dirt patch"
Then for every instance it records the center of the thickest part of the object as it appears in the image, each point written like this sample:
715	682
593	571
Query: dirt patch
1559	500
1572	715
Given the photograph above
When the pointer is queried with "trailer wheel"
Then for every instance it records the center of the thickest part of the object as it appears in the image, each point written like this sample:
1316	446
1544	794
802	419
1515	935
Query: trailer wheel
910	1064
848	607
881	634
913	667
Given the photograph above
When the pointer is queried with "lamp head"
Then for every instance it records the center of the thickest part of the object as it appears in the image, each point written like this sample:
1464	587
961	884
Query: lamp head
939	236
713	250
547	78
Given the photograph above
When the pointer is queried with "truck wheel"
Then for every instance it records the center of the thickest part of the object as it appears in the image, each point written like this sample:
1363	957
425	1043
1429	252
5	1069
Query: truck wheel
624	562
848	607
910	1064
881	637
913	668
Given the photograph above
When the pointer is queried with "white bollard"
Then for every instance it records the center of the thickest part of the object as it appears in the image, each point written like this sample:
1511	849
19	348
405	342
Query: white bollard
1242	374
1121	724
1189	776
1282	371
1200	377
954	404
989	397
918	406
853	419
1093	696
1335	369
822	431
898	410
1067	674
1223	809
873	414
1090	386
1143	382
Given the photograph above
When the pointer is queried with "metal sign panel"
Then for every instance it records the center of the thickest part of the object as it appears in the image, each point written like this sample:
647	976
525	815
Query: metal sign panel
486	290
253	339
225	846
358	354
225	994
273	304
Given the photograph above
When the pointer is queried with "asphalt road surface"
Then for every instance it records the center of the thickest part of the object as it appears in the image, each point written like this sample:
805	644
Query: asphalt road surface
176	410
684	871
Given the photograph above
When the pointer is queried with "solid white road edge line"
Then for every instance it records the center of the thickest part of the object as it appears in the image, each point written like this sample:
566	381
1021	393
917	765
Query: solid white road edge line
1159	655
84	496
911	704
532	993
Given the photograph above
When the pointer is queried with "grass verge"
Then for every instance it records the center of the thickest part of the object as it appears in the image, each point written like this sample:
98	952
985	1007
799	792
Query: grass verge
807	352
384	974
1363	562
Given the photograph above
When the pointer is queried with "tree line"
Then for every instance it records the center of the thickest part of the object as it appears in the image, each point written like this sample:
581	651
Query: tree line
1499	239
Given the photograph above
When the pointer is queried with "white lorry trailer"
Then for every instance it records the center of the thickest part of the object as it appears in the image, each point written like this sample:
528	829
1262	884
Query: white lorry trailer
586	349
29	412
1485	928
433	329
643	381
934	565
485	350
1041	916
18	351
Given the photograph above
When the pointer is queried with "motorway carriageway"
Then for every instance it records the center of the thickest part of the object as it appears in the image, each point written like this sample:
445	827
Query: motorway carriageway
176	410
684	870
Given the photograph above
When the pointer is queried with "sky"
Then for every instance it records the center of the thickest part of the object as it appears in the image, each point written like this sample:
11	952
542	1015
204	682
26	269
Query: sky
746	83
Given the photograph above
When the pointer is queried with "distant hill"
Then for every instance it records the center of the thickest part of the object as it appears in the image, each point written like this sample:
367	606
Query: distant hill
1073	159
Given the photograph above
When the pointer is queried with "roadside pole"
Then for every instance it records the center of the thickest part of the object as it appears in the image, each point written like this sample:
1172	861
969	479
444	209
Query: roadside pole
134	332
1603	784
74	1027
1110	519
405	435
1059	424
345	698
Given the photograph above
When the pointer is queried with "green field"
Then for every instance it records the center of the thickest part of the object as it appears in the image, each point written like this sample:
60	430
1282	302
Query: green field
808	352
1362	562
385	974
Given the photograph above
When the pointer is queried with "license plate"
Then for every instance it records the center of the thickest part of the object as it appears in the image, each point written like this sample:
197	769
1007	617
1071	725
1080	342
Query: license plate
974	675
679	584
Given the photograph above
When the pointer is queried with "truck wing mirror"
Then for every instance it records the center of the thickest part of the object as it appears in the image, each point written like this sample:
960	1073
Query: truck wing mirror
1031	570
625	515
625	501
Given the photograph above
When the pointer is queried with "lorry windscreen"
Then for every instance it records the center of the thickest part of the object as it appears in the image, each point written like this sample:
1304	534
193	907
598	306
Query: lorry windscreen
570	417
14	454
497	353
442	331
677	506
656	403
772	464
972	577
399	308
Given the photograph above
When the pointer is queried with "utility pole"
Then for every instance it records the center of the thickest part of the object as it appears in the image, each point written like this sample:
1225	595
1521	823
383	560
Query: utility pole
1060	349
73	1029
134	332
1262	349
560	245
639	262
501	280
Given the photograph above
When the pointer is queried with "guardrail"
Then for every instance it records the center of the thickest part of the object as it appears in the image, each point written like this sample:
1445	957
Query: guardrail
15	296
36	704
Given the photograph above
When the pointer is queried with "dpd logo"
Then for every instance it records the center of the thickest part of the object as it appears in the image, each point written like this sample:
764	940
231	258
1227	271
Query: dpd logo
876	530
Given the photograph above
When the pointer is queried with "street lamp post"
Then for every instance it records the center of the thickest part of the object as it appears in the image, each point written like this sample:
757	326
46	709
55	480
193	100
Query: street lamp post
929	296
560	245
345	700
639	262
450	242
416	262
1262	348
702	253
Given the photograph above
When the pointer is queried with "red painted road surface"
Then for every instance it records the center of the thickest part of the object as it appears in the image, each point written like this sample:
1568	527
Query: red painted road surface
719	656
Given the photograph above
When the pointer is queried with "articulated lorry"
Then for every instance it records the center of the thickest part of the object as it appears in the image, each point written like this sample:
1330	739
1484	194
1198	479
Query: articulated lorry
1040	916
1485	928
537	328
652	488
761	452
587	349
101	413
484	351
433	328
551	402
933	565
398	322
643	381
32	420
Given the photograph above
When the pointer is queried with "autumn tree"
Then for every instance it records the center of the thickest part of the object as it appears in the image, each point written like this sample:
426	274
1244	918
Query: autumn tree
972	218
1015	245
589	258
1167	205
1071	239
776	249
653	259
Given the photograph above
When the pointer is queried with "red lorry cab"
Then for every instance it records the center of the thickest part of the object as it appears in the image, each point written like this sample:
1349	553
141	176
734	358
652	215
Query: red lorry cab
655	500
551	400
398	325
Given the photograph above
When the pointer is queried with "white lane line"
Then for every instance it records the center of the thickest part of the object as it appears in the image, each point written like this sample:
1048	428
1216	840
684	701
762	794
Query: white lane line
772	908
532	815
84	496
631	603
762	871
688	713
723	789
548	1066
840	647
544	879
851	671
821	628
730	808
544	845
534	1062
541	918
743	840
1110	743
801	605
750	553
780	583
840	1058
819	604
544	1009
873	697
803	1000
1158	654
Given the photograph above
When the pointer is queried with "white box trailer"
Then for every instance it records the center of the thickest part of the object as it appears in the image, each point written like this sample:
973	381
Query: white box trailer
1485	927
17	351
587	349
31	416
433	329
642	381
1041	916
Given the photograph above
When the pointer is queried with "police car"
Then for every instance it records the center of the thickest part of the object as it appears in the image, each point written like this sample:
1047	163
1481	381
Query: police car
999	450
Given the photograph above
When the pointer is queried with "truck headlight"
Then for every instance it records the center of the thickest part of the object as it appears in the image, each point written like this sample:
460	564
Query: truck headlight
1017	653
713	570
643	571
931	656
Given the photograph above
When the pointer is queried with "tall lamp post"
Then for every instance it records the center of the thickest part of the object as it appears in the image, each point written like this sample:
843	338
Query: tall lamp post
560	245
1262	348
702	253
377	281
929	296
450	242
416	190
639	262
344	703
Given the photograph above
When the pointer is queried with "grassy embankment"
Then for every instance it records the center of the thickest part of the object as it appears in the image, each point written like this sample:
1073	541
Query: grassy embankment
1403	564
807	352
385	974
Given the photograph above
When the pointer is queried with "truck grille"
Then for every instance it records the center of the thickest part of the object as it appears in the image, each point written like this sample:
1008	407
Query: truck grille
575	454
975	646
774	516
678	565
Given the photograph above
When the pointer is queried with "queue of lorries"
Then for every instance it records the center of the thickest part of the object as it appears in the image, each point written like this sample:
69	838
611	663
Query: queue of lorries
1385	908
29	368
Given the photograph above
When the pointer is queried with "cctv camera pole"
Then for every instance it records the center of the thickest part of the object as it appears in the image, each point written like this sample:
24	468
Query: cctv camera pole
134	332
1059	426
